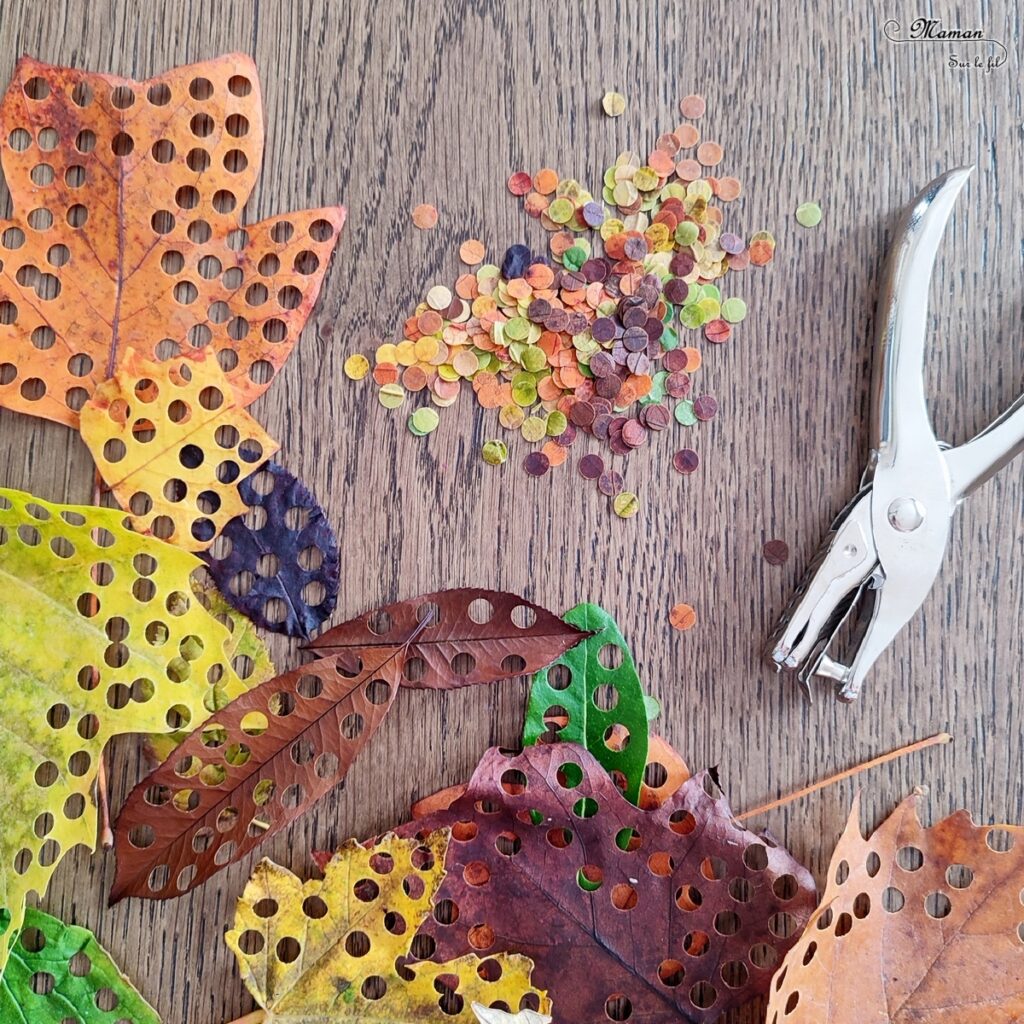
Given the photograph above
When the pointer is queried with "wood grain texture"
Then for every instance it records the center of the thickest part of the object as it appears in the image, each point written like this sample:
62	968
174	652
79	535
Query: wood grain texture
386	105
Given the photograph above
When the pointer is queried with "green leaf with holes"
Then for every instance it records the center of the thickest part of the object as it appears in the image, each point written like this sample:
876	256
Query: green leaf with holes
58	973
603	708
102	635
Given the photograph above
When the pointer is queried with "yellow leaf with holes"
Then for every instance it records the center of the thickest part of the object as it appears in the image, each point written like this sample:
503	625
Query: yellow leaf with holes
245	650
342	948
101	635
172	441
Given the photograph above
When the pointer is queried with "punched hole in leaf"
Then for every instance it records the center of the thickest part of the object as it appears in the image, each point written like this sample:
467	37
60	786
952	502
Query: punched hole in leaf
688	897
764	956
289	297
378	692
199	231
523	616
235	161
197	159
251	942
379	623
163	151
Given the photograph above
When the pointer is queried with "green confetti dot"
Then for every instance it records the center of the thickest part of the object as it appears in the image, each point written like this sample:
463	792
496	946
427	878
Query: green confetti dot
517	328
684	413
691	316
557	422
533	359
574	257
687	233
423	421
808	215
734	310
495	452
391	396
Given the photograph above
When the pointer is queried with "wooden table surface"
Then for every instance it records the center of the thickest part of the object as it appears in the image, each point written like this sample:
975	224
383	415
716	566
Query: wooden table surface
383	106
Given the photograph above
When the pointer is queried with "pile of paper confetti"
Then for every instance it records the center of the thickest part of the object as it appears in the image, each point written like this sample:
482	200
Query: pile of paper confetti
590	339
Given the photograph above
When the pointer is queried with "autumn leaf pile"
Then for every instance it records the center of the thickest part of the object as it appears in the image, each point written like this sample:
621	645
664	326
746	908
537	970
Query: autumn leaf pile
587	876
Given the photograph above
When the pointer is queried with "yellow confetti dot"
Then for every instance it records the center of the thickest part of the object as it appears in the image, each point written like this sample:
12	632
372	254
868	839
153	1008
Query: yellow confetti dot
613	103
386	353
357	367
426	348
391	396
534	428
626	504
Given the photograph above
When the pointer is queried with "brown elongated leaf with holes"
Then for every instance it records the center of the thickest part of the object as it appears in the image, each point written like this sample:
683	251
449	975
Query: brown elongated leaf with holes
917	924
628	914
270	754
474	636
127	231
252	770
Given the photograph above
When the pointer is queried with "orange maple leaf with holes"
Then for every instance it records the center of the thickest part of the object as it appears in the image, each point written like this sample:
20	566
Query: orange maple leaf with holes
128	198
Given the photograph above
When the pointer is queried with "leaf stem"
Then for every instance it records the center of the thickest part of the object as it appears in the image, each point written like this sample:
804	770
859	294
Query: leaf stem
910	748
102	798
256	1017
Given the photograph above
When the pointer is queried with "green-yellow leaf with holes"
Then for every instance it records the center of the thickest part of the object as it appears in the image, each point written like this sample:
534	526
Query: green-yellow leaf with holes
101	635
339	949
245	650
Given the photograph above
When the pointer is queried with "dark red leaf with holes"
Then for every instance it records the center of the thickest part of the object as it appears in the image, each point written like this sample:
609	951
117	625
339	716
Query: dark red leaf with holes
278	564
256	765
474	636
630	914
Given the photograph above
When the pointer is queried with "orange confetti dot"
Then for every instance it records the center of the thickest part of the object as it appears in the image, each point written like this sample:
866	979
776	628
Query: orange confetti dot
688	170
687	135
545	181
709	154
729	189
471	252
692	106
682	617
424	216
555	452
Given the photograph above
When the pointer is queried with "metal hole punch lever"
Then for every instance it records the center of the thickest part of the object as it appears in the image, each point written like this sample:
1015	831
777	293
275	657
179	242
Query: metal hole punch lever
883	552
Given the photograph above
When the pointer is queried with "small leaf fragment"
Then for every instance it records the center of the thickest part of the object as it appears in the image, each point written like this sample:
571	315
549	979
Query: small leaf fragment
101	636
473	636
340	948
134	233
676	912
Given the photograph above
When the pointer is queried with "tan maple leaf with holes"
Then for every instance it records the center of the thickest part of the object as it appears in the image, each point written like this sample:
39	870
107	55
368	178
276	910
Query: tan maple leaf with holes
128	232
917	924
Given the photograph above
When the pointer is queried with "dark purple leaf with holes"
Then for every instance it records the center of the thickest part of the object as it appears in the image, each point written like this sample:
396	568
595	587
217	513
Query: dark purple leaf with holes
472	636
279	563
257	764
652	916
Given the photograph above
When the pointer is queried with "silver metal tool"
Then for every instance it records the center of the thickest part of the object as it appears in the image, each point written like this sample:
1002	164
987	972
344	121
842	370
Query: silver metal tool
883	552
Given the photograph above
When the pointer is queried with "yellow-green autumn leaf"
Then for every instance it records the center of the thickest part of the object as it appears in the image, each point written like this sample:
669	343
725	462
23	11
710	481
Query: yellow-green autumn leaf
244	649
338	949
101	635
